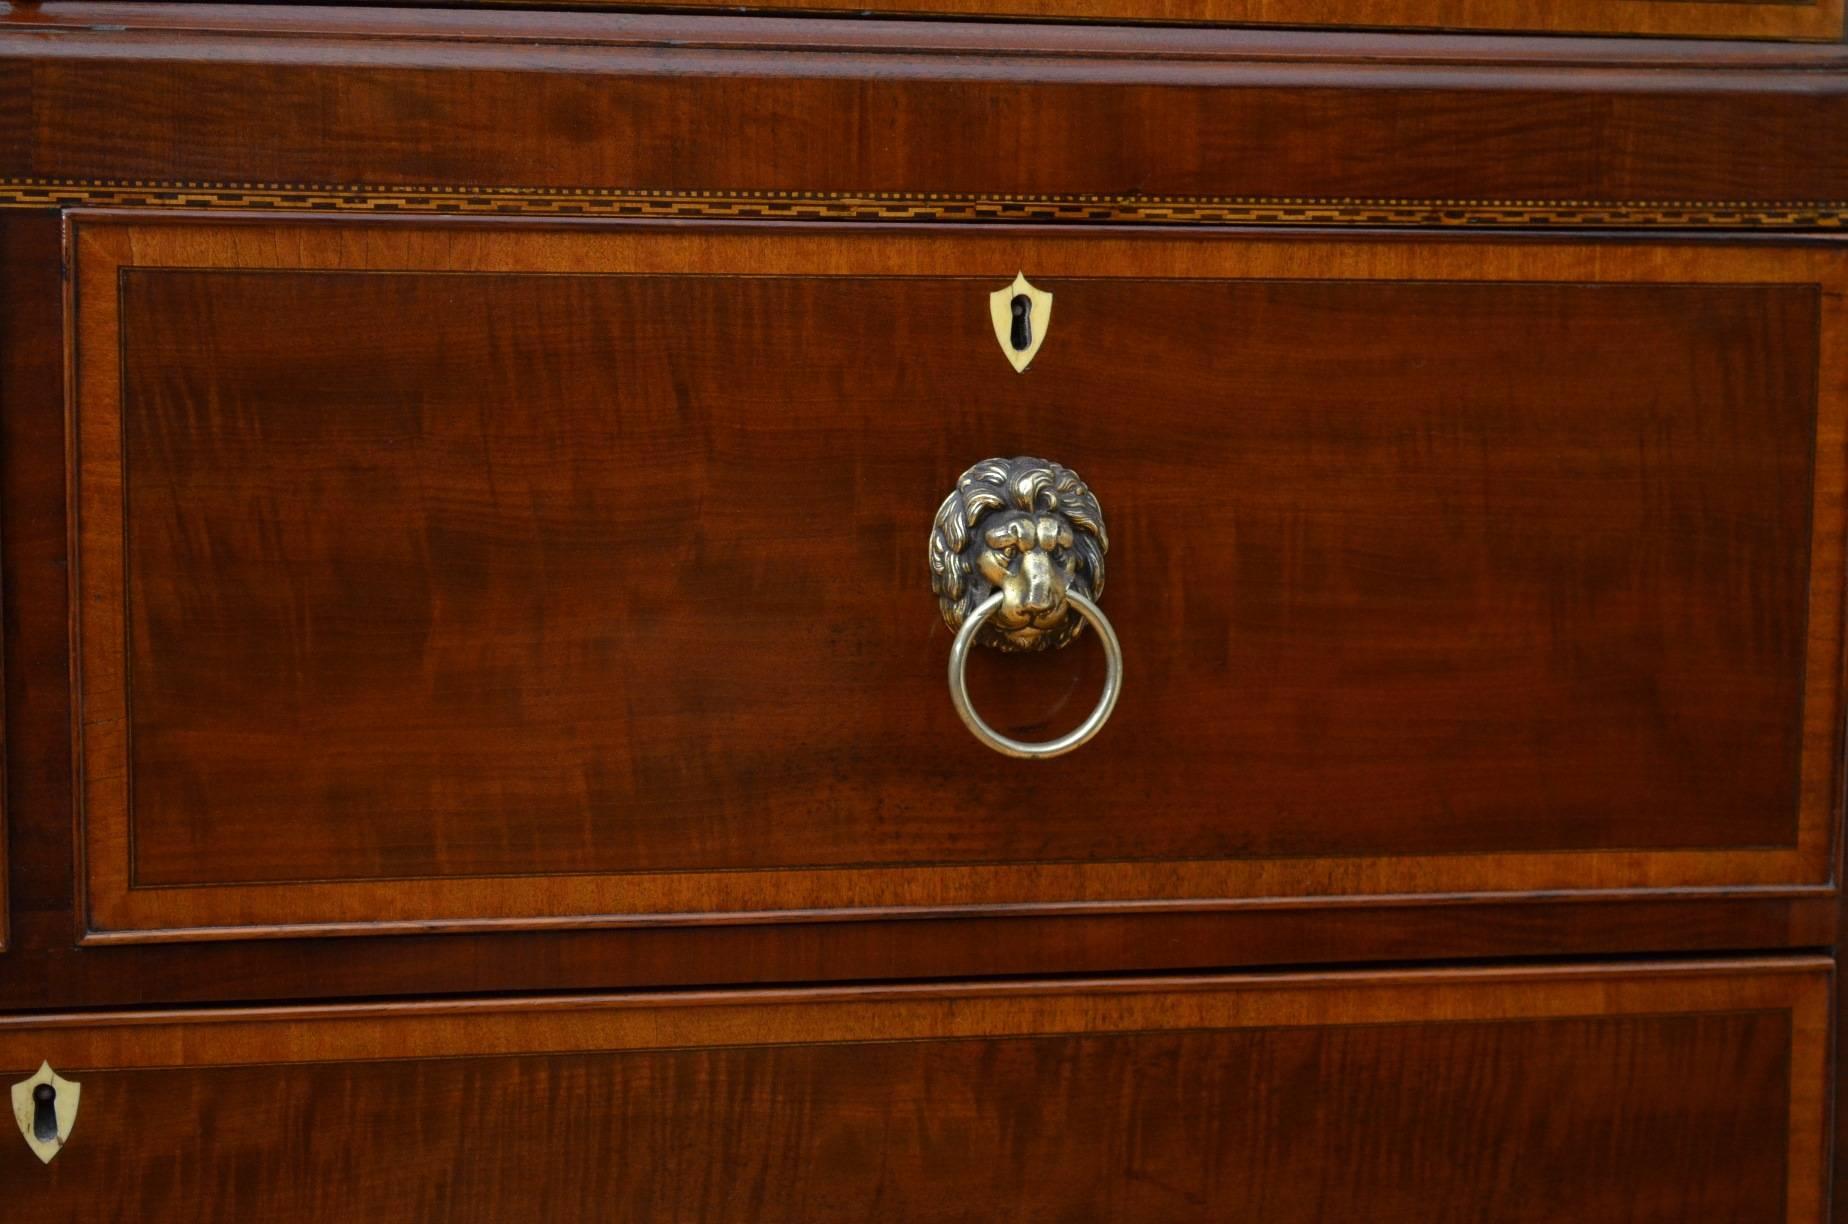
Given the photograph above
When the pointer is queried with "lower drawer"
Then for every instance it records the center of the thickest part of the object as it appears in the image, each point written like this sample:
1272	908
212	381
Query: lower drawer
1683	1092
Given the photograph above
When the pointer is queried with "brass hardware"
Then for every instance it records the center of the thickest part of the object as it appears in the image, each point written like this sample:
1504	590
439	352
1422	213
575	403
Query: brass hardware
45	1106
1006	746
1029	529
1016	547
1021	314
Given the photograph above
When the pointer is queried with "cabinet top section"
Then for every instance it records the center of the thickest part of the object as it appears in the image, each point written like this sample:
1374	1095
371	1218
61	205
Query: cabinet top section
835	119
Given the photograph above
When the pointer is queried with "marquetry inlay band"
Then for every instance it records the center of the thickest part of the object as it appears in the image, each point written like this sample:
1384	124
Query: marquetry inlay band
877	206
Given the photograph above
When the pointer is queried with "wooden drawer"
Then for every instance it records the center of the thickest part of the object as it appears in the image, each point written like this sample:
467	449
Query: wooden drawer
463	574
1677	1093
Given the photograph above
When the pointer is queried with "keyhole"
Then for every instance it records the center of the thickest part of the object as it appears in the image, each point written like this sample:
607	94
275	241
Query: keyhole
44	1115
1021	337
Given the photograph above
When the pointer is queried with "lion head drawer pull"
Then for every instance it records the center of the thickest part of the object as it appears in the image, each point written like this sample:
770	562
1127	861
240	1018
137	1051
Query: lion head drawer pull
1017	549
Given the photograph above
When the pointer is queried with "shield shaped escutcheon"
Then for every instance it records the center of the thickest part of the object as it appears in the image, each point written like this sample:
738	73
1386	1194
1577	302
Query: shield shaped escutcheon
1022	313
45	1106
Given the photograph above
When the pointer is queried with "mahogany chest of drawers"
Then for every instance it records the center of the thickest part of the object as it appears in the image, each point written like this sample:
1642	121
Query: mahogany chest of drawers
558	660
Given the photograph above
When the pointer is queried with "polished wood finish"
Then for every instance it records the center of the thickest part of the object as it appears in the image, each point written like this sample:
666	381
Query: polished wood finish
1783	19
314	756
556	24
34	577
47	970
1626	1091
50	974
1640	1093
35	777
1820	20
991	116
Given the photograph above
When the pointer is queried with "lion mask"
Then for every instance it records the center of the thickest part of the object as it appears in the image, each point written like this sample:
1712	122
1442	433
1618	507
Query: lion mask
1033	531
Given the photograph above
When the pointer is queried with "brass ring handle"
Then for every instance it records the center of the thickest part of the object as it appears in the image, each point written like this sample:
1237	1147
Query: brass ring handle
1044	750
1016	547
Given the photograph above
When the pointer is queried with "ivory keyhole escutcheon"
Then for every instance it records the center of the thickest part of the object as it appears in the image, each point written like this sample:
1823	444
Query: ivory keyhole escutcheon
1022	314
45	1107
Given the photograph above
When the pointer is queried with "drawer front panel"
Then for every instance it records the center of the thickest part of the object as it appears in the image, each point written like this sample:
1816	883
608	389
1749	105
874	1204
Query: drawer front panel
1653	1094
451	573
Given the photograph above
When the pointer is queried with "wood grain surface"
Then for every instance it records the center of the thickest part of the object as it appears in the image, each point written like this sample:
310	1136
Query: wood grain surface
34	574
46	971
34	579
46	968
571	24
1770	19
338	554
1641	1093
585	597
1058	116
